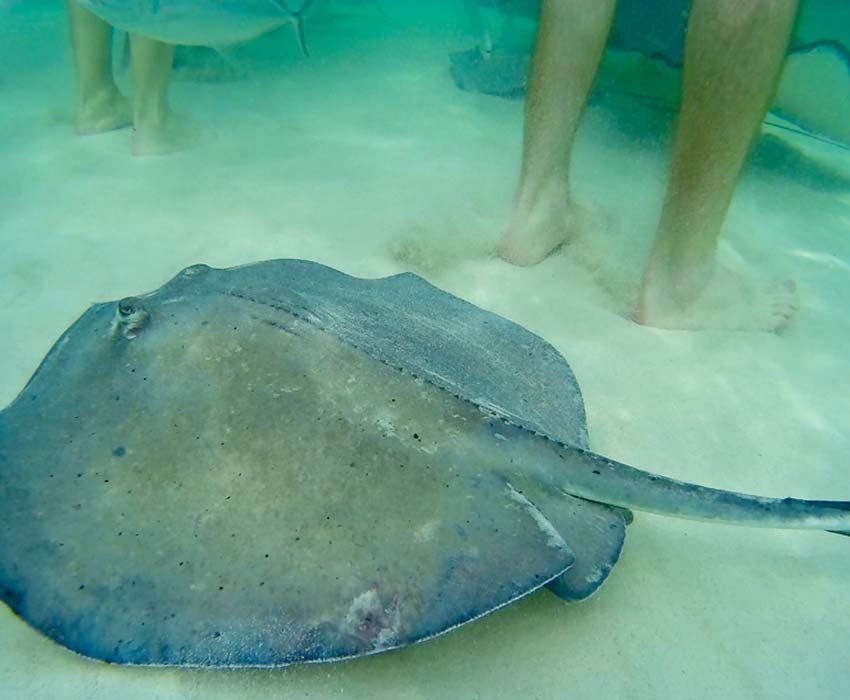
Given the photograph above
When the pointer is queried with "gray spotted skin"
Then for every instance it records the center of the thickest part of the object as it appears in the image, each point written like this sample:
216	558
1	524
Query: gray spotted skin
281	464
272	465
232	486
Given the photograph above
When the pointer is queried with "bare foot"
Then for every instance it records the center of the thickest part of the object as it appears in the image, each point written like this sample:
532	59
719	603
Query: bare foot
104	111
538	230
167	134
714	298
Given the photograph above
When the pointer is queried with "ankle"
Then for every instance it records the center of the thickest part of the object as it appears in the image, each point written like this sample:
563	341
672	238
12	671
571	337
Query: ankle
150	114
551	192
94	96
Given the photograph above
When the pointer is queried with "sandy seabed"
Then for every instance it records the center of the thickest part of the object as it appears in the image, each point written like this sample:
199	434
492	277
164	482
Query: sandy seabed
365	157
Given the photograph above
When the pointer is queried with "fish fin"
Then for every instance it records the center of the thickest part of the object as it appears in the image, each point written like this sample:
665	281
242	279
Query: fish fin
298	21
594	532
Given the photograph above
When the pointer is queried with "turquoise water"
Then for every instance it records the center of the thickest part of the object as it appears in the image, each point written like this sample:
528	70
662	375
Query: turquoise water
366	156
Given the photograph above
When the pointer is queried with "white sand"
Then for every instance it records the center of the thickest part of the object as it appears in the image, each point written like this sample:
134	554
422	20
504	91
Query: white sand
369	143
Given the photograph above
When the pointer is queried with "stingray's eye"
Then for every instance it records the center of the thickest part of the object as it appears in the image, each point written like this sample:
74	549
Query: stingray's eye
193	270
127	307
130	318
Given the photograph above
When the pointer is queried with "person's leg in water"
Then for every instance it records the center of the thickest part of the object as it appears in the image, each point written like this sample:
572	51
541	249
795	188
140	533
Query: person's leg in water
570	40
100	105
734	52
156	129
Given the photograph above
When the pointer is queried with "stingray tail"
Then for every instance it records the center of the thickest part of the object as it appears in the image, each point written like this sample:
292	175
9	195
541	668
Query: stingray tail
298	21
596	478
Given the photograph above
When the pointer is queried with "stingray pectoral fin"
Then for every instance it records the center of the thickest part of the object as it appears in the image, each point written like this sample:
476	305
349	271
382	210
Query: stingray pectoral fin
196	491
594	532
597	478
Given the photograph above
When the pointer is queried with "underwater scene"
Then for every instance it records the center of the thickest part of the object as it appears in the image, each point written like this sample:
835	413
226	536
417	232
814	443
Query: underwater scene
424	349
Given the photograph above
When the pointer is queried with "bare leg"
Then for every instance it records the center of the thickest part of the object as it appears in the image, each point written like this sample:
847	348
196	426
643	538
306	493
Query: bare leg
100	106
570	40
156	129
733	55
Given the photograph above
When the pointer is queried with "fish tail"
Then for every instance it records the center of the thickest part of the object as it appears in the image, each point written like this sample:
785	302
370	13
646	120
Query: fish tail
298	21
597	478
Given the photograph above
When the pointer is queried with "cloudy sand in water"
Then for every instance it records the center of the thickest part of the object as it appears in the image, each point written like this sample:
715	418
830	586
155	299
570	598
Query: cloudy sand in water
366	157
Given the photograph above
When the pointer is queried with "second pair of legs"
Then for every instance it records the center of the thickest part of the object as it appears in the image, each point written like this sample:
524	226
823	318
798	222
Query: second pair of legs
734	52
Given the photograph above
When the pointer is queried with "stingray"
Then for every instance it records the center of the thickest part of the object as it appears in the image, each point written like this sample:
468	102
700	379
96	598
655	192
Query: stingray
214	23
280	463
498	71
656	28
